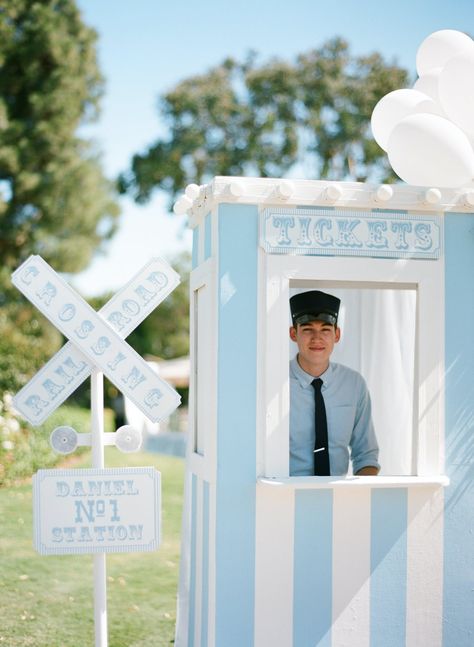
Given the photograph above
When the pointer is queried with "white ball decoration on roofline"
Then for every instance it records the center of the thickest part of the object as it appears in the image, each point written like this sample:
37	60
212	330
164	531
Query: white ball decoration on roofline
192	191
384	193
468	199
432	196
428	132
284	189
235	189
182	205
333	192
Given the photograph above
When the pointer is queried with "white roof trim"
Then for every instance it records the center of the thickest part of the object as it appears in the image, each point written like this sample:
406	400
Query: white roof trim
357	195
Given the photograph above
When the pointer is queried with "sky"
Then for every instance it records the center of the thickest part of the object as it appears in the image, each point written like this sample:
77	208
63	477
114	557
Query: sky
146	47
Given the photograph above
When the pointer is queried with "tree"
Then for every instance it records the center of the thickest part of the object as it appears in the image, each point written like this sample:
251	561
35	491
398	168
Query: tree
310	117
54	199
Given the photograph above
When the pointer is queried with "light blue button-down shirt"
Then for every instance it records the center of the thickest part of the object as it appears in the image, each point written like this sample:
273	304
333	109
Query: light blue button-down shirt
349	419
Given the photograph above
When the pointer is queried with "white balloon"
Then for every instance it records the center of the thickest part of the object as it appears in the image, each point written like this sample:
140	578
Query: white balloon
439	47
393	107
456	91
428	83
428	150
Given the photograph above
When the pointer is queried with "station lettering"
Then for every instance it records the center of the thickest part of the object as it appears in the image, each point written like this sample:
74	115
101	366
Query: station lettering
92	534
90	488
95	511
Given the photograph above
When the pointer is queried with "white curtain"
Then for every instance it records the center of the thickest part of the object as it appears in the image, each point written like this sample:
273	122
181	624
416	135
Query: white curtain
378	340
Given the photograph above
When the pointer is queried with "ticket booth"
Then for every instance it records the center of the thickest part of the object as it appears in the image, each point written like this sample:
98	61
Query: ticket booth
269	559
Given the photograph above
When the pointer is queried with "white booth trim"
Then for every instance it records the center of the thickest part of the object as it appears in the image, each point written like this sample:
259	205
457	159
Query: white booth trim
356	195
334	482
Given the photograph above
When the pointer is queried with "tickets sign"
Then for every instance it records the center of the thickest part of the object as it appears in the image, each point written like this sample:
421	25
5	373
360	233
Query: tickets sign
95	339
346	232
96	510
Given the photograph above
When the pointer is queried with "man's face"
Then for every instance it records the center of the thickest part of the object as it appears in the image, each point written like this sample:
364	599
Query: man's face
315	342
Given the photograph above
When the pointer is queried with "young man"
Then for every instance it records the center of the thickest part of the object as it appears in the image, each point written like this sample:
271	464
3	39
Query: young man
330	410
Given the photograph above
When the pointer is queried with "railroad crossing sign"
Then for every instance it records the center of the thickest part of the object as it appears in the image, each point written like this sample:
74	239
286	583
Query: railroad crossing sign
96	339
99	510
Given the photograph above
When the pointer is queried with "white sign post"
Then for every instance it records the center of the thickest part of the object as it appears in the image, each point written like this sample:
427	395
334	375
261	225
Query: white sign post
96	511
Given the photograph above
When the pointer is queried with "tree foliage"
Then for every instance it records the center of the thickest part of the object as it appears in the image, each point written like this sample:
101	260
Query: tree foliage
54	198
310	117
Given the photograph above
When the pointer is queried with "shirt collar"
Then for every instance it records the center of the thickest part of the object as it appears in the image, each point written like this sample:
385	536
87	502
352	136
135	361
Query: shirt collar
305	379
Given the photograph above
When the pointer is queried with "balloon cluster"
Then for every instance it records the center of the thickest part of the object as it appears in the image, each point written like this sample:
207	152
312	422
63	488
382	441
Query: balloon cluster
428	131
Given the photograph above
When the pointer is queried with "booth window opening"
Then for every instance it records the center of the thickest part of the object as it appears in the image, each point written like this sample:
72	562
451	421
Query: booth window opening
379	340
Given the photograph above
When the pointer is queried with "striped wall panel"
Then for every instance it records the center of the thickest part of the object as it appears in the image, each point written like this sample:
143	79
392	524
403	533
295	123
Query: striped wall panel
366	570
193	630
236	413
346	568
312	570
458	594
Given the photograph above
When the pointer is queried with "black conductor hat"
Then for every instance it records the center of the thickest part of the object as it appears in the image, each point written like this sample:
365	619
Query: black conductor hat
314	306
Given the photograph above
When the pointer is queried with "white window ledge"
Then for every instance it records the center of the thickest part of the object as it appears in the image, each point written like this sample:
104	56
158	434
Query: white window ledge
329	482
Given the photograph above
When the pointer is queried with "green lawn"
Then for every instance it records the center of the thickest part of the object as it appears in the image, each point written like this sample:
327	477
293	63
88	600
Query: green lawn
48	601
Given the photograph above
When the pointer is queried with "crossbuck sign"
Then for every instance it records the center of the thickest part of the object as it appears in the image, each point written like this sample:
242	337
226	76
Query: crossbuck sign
96	339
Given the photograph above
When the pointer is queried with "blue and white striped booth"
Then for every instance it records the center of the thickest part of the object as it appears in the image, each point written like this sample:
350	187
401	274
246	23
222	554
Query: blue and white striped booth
270	560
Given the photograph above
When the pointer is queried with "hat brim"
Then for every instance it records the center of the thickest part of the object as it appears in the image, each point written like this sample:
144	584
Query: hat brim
307	317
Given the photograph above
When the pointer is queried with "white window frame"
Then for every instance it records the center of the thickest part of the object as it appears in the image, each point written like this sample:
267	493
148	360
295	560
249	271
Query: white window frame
426	276
203	370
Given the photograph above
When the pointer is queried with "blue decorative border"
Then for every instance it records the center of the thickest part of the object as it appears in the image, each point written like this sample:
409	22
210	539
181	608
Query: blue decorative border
41	475
429	225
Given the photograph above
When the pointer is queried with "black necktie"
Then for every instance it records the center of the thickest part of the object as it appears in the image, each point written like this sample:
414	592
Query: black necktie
321	450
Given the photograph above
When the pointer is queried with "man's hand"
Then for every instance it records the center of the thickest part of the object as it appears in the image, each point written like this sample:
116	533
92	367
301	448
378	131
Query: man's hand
368	471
